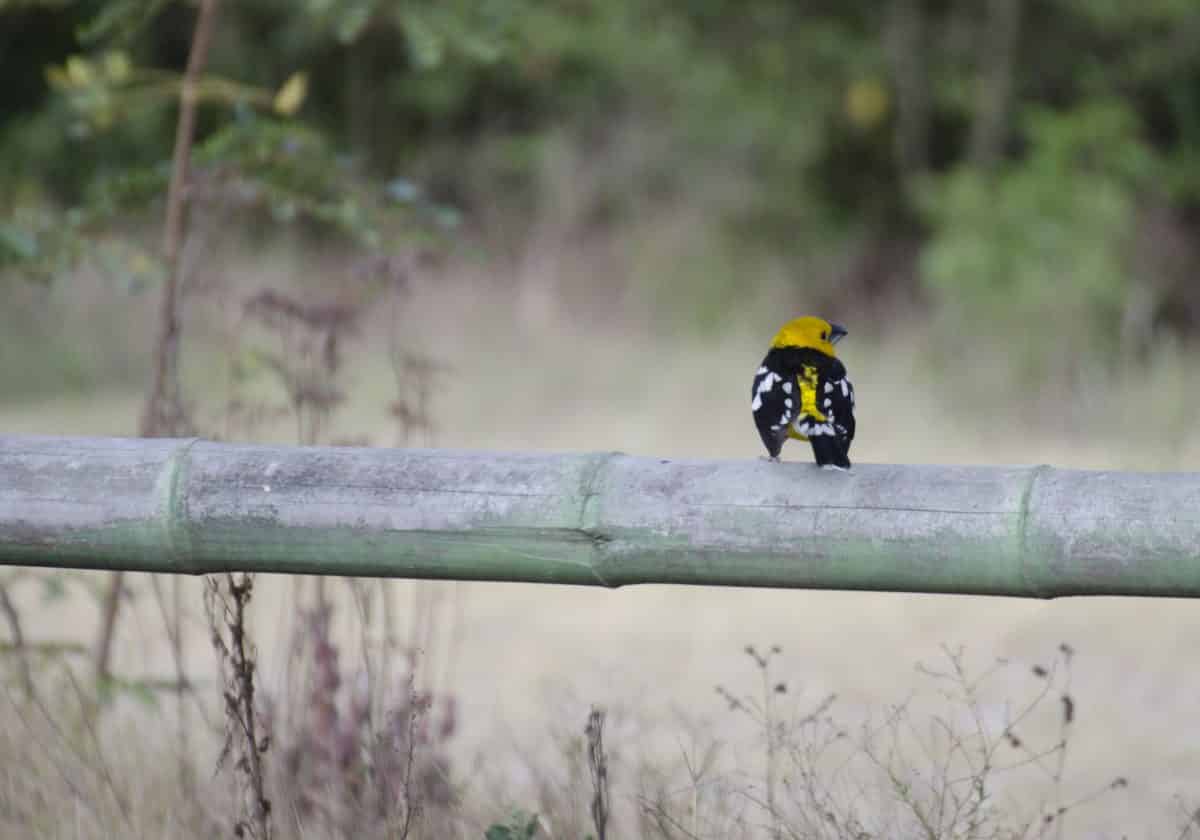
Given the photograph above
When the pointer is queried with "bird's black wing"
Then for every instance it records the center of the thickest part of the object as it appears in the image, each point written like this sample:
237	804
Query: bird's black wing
773	400
837	402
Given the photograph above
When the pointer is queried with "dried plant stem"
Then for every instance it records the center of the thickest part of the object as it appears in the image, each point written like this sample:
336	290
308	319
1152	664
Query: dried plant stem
227	615
18	641
411	793
598	766
771	729
172	617
108	625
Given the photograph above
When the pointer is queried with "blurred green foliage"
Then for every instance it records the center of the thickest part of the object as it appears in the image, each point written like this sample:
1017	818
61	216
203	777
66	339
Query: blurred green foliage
520	826
993	159
1039	249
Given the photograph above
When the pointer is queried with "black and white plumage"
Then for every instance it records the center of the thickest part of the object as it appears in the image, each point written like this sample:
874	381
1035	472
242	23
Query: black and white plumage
804	393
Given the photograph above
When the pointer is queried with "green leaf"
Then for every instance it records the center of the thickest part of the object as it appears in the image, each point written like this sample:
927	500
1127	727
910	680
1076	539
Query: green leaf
17	242
425	44
520	826
120	20
142	692
354	22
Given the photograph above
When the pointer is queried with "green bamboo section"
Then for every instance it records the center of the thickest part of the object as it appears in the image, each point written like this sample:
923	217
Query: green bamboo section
195	507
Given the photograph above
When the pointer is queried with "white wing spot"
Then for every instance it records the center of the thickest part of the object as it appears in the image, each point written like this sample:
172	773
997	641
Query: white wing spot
815	429
828	402
788	402
787	387
845	388
761	371
828	387
767	383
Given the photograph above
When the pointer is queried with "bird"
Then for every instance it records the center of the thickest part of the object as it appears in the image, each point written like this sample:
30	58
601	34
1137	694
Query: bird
801	391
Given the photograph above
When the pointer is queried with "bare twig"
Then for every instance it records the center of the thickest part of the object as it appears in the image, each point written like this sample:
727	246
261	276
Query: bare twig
763	713
598	765
665	823
411	792
1190	817
172	617
227	615
48	648
18	641
64	769
101	766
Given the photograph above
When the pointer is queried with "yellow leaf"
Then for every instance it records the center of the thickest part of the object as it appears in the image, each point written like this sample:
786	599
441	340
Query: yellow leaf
79	71
866	103
291	95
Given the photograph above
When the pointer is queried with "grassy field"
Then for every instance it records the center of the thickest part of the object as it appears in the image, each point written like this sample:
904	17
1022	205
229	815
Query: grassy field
524	663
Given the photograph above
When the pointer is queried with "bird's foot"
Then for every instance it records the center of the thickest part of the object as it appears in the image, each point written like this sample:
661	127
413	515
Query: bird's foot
835	467
773	459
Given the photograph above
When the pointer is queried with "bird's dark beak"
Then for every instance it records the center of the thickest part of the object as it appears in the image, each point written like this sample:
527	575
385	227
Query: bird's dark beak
836	333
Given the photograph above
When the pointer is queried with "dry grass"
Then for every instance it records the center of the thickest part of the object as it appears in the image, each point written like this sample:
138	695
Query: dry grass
526	664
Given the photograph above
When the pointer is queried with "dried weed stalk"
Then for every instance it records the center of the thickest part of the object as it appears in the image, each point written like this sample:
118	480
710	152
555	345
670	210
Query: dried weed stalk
1188	819
360	752
19	649
226	599
414	373
309	359
358	762
938	775
598	766
777	731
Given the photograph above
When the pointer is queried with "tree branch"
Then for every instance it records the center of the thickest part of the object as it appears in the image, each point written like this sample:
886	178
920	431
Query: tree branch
163	414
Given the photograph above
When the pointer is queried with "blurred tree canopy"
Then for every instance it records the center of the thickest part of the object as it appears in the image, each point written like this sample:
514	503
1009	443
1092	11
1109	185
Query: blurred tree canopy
1003	158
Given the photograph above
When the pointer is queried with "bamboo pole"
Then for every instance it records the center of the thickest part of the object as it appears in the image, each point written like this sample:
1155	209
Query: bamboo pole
195	507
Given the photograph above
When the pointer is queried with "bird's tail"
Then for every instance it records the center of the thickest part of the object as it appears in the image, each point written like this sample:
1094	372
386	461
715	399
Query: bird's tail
831	451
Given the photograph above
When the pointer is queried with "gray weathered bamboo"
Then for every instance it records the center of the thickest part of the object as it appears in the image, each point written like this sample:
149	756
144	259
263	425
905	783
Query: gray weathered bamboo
193	507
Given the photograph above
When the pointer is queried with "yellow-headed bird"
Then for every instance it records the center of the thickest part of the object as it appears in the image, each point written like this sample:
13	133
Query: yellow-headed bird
801	391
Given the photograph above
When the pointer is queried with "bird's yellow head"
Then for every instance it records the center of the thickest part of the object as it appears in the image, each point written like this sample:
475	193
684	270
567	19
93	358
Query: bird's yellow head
814	333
